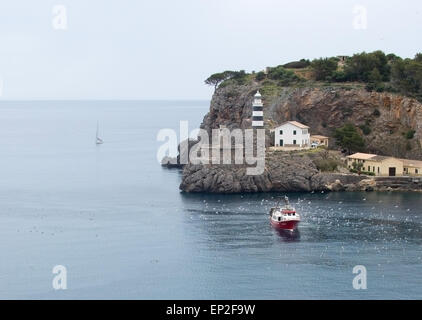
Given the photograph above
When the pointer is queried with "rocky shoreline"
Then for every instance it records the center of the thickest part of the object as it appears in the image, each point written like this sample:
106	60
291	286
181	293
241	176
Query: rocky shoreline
292	173
227	180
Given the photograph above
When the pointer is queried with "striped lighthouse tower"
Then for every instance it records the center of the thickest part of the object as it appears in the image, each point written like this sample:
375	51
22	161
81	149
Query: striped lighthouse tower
257	111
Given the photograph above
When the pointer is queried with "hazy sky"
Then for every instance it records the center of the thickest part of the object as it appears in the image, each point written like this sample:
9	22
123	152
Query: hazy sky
127	49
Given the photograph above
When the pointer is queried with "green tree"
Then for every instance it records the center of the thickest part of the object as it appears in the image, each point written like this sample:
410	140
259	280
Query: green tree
216	79
375	76
260	76
418	57
375	81
360	66
349	138
324	68
392	57
406	76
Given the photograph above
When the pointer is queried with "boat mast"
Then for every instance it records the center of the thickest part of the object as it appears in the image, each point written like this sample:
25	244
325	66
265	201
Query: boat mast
98	140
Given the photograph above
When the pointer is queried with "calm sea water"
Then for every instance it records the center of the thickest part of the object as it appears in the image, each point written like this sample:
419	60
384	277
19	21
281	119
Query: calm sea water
117	221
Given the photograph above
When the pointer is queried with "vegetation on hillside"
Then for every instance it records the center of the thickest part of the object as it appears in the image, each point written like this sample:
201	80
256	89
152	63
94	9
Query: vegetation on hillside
303	63
378	71
375	71
217	78
324	68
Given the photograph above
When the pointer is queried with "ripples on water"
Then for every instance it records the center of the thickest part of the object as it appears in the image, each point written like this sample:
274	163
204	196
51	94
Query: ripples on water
382	231
324	217
117	220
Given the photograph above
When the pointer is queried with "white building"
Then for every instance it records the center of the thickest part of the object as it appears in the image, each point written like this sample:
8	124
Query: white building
257	111
292	134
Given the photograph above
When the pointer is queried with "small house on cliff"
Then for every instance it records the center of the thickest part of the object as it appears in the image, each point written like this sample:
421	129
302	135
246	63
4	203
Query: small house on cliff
384	165
292	134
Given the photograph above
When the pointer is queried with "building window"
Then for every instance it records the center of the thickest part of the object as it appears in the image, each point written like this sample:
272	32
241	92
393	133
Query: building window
373	169
378	169
281	132
294	142
294	132
416	171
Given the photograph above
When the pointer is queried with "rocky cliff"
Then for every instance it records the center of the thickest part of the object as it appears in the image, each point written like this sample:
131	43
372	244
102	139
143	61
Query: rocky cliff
386	117
284	172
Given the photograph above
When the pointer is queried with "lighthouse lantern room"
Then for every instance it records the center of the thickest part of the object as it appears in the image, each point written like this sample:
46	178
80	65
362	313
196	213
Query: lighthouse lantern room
257	111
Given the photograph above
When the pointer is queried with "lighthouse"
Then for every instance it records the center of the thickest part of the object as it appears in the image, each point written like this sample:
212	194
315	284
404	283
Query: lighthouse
257	111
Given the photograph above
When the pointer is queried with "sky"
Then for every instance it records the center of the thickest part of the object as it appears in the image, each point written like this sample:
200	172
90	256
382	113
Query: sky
165	49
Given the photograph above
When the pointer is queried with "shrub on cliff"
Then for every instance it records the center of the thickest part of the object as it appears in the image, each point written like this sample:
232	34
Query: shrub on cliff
324	68
260	76
375	81
360	66
410	134
366	129
349	138
338	76
284	76
297	64
326	165
406	76
418	57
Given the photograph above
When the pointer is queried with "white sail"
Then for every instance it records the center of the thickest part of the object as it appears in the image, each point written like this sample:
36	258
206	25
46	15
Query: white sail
98	140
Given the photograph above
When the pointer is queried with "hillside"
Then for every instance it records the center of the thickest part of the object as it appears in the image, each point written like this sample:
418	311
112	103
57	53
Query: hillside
382	119
376	94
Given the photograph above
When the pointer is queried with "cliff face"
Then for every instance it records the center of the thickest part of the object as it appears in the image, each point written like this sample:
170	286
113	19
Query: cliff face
388	116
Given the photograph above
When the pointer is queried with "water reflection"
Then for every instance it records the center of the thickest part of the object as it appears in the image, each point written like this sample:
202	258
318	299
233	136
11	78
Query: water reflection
288	236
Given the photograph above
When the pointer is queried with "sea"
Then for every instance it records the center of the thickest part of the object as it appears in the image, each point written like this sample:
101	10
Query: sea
86	221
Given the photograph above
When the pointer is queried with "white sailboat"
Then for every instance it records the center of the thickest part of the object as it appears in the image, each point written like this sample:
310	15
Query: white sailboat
98	140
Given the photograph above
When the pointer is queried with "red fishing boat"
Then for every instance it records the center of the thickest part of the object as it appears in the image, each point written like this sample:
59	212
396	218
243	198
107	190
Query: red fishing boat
285	218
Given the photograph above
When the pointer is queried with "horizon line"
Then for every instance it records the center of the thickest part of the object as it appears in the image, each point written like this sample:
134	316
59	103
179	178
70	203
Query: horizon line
93	99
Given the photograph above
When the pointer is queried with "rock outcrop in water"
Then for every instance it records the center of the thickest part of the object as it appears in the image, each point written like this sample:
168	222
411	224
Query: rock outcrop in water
388	116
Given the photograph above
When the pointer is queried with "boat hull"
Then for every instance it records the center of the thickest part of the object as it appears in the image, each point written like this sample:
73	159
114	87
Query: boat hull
285	225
